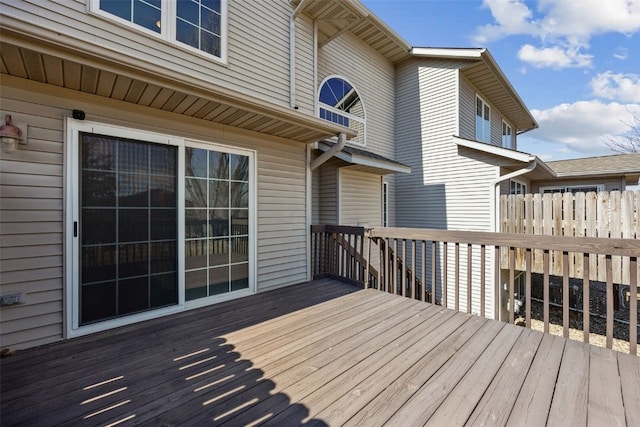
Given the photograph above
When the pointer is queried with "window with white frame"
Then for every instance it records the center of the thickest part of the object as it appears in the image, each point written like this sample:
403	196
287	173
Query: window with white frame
198	25
385	204
517	187
573	189
339	102
507	135
483	121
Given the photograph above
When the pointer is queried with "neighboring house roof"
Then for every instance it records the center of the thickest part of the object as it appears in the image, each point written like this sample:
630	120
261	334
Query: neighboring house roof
485	74
510	158
335	17
367	160
618	164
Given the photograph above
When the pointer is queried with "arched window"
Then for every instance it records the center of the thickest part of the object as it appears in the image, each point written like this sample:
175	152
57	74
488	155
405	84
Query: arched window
340	103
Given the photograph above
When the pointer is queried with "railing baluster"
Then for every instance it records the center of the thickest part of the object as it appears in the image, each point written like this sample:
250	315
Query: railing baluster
633	305
445	269
609	275
403	265
456	285
565	294
423	289
469	289
496	284
483	261
387	268
527	287
434	289
586	299
545	290
512	285
413	269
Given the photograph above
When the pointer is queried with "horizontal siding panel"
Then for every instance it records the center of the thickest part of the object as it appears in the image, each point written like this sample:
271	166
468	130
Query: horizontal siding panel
30	216
32	337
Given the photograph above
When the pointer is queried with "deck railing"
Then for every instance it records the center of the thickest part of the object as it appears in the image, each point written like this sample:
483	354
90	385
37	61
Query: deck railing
465	270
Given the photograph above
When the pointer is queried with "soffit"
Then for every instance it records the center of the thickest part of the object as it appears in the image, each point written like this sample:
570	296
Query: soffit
62	67
499	93
334	17
365	161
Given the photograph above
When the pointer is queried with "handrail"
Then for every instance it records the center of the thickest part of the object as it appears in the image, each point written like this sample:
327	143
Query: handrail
472	271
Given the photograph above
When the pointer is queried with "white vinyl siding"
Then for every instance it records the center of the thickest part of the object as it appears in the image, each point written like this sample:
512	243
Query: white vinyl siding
467	112
32	206
257	42
360	199
448	187
373	76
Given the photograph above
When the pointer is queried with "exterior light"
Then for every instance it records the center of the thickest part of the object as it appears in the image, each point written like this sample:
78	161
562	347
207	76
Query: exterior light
10	135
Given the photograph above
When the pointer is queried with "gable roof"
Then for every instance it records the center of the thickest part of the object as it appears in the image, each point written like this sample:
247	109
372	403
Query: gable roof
484	73
617	164
335	17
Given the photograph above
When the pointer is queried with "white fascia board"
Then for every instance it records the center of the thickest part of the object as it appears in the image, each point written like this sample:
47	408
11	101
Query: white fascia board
495	150
437	52
366	161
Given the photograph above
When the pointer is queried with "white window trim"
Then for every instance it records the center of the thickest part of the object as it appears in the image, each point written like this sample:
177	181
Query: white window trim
72	215
484	103
385	204
168	27
320	105
517	181
600	187
511	139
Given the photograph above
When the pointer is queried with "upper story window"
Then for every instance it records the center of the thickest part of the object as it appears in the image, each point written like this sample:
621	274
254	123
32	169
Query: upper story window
340	103
517	187
198	25
507	135
483	121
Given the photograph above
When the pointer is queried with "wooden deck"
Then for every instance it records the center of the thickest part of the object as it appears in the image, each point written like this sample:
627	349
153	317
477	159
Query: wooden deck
321	353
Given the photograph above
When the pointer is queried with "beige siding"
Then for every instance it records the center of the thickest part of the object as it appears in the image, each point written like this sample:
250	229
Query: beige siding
258	44
360	198
610	184
467	111
328	192
449	187
32	205
373	77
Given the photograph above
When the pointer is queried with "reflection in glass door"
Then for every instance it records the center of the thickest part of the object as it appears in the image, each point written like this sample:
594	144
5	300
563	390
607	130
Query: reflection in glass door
128	227
216	222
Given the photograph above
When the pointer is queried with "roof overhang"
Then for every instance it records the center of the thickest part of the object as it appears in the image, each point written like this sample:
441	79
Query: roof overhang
335	17
509	159
485	75
359	159
64	65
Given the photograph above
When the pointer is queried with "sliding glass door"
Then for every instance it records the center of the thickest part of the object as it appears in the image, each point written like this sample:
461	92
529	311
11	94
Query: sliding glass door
128	227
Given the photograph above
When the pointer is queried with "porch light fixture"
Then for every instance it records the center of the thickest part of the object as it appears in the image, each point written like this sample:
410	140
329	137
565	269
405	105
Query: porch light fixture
10	135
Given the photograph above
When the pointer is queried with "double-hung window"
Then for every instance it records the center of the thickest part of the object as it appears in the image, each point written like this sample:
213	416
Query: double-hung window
483	121
198	25
507	135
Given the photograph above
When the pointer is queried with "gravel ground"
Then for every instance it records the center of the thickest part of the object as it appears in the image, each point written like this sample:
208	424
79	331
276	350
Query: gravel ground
597	324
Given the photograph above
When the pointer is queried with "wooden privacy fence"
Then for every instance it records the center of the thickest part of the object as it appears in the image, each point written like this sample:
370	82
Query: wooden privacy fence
345	253
605	215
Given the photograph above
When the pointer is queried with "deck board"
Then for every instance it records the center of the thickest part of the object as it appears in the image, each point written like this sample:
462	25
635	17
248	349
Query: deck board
321	353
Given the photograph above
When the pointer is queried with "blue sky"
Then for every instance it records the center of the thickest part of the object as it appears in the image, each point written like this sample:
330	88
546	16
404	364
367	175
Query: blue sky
575	63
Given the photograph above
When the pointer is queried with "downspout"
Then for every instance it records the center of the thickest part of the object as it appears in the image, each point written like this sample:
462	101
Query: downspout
496	225
292	55
342	141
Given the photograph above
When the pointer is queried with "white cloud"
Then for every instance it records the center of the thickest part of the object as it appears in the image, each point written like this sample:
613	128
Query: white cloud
566	25
621	53
620	87
582	127
553	57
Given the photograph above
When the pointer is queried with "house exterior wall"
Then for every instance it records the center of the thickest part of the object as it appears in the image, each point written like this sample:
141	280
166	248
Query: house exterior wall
360	198
610	184
373	77
257	45
33	199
